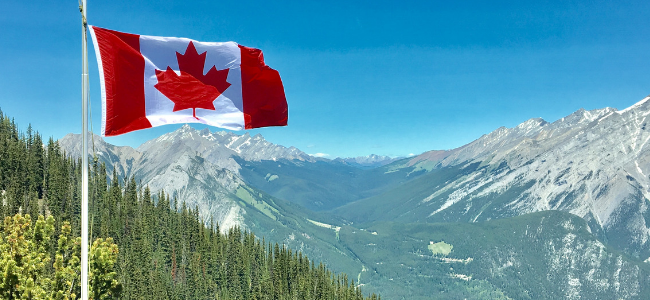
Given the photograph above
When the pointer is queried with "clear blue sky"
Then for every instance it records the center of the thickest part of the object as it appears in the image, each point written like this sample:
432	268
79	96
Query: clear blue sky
361	77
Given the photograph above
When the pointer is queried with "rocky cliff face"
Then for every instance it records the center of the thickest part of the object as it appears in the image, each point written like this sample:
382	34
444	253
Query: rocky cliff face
593	164
196	166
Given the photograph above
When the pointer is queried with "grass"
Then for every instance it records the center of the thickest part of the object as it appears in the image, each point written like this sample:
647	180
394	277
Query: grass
270	177
267	210
440	248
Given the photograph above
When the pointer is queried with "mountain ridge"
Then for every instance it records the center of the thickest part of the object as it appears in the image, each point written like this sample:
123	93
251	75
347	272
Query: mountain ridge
505	176
592	164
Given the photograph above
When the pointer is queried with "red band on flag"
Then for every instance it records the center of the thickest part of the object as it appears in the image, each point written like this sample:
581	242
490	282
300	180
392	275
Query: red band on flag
122	61
264	101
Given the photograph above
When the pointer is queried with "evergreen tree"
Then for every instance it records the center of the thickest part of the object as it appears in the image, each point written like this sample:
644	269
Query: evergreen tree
166	250
26	262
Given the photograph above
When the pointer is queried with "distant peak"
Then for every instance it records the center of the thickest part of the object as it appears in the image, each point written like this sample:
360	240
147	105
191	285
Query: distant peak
372	160
186	128
205	131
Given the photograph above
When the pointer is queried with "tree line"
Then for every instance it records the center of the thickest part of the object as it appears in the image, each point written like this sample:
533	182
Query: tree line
145	246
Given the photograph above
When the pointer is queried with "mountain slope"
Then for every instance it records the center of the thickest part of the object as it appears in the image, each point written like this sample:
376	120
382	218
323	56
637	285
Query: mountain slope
593	164
287	173
123	158
321	185
201	169
545	255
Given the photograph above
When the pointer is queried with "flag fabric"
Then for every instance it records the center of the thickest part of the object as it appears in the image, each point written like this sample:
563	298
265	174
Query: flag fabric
148	81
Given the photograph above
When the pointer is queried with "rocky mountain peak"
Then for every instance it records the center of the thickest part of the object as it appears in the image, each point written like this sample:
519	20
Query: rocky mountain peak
581	116
593	164
368	161
205	132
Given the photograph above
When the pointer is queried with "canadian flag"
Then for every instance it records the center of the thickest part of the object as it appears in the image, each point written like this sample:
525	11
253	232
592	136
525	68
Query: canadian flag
149	81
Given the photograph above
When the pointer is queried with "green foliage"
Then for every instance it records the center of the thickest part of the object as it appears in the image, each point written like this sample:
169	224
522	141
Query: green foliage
26	262
103	278
66	265
166	251
169	254
525	257
440	248
25	257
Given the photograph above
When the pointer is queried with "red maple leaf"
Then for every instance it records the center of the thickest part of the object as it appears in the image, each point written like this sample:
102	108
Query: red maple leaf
192	89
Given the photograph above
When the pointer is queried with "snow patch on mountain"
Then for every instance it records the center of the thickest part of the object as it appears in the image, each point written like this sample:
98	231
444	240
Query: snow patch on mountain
368	161
197	167
591	163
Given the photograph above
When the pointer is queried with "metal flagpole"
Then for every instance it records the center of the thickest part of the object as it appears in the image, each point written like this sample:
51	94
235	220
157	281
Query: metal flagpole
84	155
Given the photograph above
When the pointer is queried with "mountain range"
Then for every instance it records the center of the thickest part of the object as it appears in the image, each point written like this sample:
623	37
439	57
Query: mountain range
539	211
368	161
592	164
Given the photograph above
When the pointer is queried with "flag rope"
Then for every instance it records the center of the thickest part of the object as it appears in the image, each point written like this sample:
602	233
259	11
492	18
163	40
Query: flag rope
91	206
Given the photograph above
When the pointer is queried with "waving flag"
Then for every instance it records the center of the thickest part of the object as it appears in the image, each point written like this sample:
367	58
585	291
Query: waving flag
149	81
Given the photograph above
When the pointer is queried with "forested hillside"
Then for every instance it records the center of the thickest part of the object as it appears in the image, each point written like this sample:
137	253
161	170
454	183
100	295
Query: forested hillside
165	250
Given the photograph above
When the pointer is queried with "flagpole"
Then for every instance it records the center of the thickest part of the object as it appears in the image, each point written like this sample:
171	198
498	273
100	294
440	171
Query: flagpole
84	155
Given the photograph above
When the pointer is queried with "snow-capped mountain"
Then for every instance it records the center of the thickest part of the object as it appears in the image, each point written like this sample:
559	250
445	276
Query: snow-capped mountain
203	169
197	166
368	161
593	164
221	145
217	147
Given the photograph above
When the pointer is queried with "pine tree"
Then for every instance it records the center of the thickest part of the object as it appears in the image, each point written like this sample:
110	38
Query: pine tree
26	262
103	277
25	257
165	251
